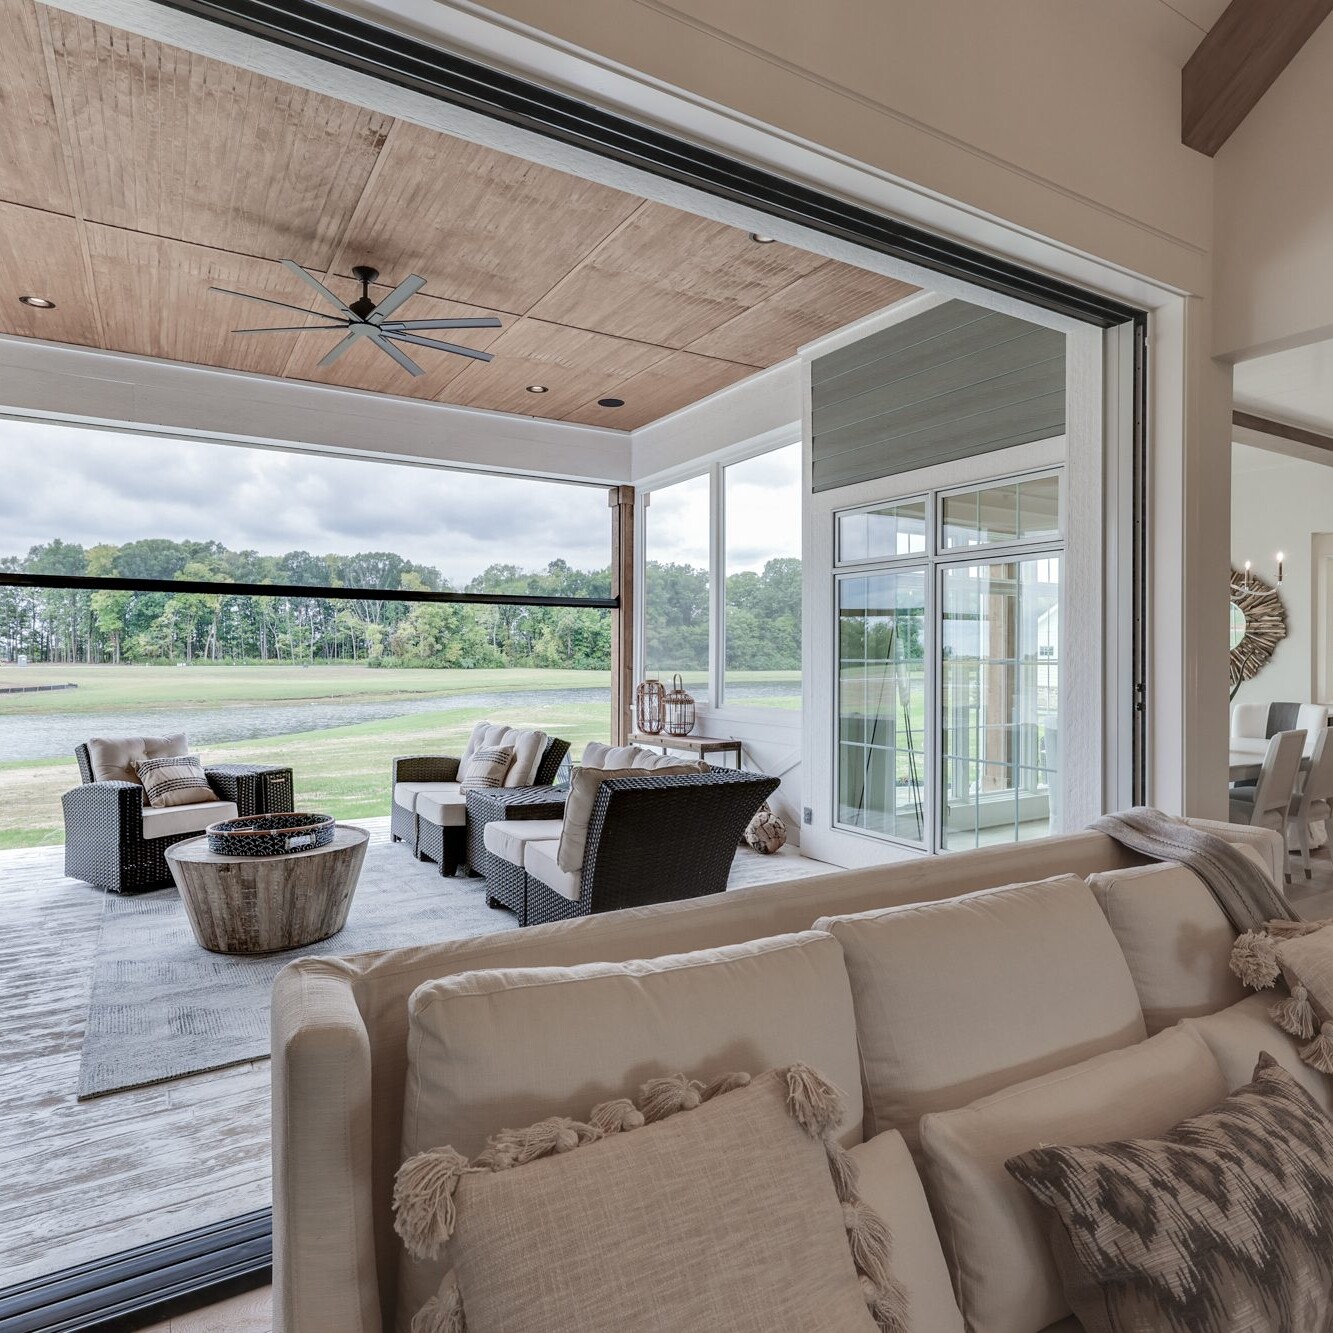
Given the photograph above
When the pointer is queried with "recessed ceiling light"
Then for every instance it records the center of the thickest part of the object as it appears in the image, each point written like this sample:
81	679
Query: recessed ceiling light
760	239
37	302
538	388
610	402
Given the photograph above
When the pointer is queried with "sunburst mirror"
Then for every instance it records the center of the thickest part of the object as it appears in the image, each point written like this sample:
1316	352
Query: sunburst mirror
1258	625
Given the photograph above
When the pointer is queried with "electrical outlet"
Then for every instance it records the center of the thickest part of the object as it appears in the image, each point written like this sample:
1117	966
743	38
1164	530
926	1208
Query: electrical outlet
807	815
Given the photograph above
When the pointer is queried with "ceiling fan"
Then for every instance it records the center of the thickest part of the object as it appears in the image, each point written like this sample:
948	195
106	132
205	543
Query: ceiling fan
362	318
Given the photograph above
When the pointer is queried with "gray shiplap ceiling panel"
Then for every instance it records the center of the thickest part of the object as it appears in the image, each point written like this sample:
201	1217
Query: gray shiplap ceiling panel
953	382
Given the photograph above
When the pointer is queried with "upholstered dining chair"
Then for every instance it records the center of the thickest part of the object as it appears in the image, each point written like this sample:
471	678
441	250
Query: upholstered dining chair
1314	799
1268	803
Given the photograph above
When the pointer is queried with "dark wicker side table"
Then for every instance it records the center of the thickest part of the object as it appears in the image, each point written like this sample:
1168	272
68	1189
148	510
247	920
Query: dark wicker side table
505	882
256	789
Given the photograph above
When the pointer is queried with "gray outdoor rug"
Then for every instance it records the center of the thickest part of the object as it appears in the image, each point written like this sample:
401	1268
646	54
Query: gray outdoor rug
162	1008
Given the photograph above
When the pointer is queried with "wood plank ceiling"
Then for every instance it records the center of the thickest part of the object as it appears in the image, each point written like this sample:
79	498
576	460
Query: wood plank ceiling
133	176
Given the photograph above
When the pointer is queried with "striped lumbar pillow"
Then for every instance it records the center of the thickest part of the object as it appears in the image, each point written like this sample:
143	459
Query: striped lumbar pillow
175	780
486	767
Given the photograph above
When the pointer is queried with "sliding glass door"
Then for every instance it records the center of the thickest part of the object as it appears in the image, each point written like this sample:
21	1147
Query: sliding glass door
948	662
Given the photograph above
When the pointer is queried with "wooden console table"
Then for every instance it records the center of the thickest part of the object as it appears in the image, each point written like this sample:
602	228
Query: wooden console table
703	746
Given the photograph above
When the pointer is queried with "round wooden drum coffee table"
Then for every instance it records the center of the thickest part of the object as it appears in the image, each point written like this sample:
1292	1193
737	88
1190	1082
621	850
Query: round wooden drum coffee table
261	904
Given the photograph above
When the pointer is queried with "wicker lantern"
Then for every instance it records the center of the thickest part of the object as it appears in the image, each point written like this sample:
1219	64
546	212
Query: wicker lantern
679	709
650	707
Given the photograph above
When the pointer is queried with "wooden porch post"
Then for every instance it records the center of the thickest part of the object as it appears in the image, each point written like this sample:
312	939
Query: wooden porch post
621	500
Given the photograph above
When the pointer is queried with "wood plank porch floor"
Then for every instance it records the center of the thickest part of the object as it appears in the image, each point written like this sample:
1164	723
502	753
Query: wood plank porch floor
86	1179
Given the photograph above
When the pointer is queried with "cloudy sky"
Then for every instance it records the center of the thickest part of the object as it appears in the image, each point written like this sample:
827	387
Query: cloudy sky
97	486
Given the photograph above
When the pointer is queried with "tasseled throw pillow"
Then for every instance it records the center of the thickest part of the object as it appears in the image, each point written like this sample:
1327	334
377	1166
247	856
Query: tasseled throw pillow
726	1206
1296	957
175	780
485	768
1220	1225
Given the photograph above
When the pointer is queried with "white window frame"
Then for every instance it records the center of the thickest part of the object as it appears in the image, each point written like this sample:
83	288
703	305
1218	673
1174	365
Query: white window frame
933	562
714	467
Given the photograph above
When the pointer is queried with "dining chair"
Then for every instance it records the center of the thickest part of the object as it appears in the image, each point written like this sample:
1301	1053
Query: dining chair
1268	803
1314	799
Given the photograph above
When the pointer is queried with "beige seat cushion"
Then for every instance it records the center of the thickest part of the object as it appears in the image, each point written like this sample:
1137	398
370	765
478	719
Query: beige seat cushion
169	821
888	1182
540	861
113	758
443	804
1176	940
509	838
1237	1035
961	998
993	1231
489	1050
528	746
405	793
583	789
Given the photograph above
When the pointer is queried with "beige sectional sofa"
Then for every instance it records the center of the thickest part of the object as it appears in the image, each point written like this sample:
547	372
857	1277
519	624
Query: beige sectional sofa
965	1021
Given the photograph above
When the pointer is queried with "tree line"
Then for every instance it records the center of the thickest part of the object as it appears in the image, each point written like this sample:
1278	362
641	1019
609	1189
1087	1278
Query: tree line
105	625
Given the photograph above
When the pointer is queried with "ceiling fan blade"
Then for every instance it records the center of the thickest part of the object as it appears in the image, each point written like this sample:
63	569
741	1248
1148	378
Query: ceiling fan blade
294	268
266	300
409	286
489	322
291	328
397	353
440	347
353	335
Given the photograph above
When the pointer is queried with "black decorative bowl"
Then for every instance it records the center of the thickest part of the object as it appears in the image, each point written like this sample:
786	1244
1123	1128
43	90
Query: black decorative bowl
270	835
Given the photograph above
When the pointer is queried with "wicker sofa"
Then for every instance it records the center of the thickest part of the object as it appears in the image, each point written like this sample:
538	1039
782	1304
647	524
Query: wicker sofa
425	786
658	838
116	842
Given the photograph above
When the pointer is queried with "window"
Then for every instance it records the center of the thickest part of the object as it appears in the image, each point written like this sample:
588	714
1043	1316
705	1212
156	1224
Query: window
677	525
948	665
762	532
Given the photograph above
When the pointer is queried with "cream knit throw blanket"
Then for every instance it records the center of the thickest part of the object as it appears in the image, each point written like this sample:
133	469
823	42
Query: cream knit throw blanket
1242	890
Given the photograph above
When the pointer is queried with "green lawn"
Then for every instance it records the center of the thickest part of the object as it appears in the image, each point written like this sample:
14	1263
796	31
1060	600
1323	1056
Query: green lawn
342	771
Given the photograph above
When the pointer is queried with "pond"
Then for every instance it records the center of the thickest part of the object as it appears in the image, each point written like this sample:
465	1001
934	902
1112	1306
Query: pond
54	735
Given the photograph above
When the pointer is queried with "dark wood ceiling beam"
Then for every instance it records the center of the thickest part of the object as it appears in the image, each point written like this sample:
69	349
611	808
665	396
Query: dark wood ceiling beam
1282	430
1237	63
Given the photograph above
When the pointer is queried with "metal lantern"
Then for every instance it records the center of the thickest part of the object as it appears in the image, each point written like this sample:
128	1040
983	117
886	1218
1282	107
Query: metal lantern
679	709
650	707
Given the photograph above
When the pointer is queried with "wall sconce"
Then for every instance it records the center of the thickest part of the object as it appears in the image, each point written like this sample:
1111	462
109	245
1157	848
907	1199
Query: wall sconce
1279	566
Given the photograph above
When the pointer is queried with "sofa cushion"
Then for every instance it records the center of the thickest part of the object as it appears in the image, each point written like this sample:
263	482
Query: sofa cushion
540	860
721	1216
960	998
169	821
583	790
509	838
993	1231
597	755
405	793
1238	1034
113	758
443	804
1176	940
174	780
486	768
498	1049
888	1183
528	746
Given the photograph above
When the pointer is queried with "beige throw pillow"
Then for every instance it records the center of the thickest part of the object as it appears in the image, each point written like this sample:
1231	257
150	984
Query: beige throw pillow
485	768
727	1205
1219	1225
583	796
113	758
178	780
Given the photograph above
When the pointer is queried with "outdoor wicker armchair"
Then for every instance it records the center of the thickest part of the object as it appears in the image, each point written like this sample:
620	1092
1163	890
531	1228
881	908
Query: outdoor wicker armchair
655	839
105	839
435	778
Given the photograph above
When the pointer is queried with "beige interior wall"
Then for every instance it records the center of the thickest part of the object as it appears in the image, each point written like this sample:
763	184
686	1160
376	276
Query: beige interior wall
1274	210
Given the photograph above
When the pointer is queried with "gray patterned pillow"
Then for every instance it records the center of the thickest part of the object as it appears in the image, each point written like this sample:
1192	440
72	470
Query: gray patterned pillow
1223	1224
485	767
174	780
